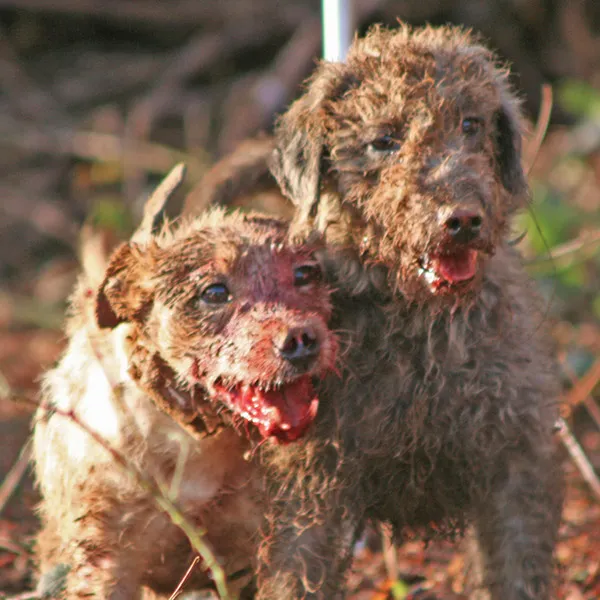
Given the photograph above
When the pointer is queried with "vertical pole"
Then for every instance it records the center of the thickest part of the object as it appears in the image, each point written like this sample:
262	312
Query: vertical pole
338	28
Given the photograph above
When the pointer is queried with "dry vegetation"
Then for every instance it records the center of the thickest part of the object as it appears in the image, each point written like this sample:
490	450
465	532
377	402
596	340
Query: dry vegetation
101	98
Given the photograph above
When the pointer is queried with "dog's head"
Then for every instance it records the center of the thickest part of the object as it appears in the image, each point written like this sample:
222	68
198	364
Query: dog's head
234	314
416	139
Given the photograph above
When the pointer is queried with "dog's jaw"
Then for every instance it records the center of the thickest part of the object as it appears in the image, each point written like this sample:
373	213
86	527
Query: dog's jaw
446	273
284	412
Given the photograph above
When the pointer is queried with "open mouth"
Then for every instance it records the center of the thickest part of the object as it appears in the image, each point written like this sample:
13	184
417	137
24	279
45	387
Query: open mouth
448	269
284	412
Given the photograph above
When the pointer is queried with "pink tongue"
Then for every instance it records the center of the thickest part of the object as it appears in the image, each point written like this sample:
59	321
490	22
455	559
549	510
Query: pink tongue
285	413
458	266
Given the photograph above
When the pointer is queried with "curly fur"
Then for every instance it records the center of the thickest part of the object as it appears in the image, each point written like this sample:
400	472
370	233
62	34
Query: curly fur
445	411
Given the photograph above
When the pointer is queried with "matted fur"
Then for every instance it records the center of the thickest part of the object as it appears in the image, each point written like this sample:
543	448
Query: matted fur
448	399
96	519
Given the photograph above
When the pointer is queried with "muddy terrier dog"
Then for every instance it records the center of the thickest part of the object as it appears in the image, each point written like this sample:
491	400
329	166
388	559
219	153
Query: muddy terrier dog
407	158
223	324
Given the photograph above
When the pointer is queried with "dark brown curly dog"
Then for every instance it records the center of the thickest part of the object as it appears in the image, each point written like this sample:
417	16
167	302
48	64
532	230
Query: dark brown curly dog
408	158
216	324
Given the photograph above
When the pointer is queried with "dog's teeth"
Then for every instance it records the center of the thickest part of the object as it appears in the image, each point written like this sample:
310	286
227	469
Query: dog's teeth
430	276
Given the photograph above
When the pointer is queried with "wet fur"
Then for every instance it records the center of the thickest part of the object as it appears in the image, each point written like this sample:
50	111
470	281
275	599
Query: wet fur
445	413
133	333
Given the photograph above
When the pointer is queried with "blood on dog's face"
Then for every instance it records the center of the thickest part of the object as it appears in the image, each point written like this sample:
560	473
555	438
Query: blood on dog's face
233	311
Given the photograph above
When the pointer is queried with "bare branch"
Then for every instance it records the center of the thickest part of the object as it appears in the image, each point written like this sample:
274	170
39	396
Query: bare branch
535	143
157	202
586	241
585	386
184	579
14	476
579	458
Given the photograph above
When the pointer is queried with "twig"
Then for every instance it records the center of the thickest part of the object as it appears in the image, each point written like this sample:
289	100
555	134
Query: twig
253	100
96	77
585	386
589	402
194	534
14	476
155	204
184	578
564	250
193	58
541	127
95	146
579	458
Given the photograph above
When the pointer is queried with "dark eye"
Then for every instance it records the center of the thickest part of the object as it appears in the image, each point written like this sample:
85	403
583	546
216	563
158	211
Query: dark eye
306	274
383	144
217	293
471	125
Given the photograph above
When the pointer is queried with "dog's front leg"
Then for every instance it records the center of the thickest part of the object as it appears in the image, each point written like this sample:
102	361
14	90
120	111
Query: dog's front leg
305	556
90	565
516	526
103	547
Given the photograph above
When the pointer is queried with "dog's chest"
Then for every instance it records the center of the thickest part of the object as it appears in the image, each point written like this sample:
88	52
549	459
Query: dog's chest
203	471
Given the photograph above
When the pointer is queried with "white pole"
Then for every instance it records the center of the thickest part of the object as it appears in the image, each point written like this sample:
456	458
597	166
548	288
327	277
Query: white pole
338	28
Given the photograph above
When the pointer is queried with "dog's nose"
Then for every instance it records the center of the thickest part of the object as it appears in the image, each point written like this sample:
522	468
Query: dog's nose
300	347
463	226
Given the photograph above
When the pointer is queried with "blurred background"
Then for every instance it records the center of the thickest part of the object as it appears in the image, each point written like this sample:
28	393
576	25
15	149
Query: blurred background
98	99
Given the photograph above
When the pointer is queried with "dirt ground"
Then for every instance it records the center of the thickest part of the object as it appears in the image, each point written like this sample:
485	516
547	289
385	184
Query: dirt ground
99	99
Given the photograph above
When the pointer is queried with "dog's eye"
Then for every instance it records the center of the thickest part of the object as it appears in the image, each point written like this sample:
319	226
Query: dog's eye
384	144
471	126
306	274
217	293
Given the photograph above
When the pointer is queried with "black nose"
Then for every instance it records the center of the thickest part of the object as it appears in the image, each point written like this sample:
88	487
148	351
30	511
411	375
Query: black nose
463	226
300	347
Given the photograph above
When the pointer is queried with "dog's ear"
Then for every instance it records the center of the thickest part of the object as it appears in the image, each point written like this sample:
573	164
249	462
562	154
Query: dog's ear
125	295
298	161
508	146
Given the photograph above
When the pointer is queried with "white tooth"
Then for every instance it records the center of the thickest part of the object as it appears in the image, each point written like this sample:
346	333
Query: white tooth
430	277
177	396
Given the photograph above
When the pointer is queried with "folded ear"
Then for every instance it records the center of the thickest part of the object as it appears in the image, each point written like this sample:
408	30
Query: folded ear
126	293
298	161
508	144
